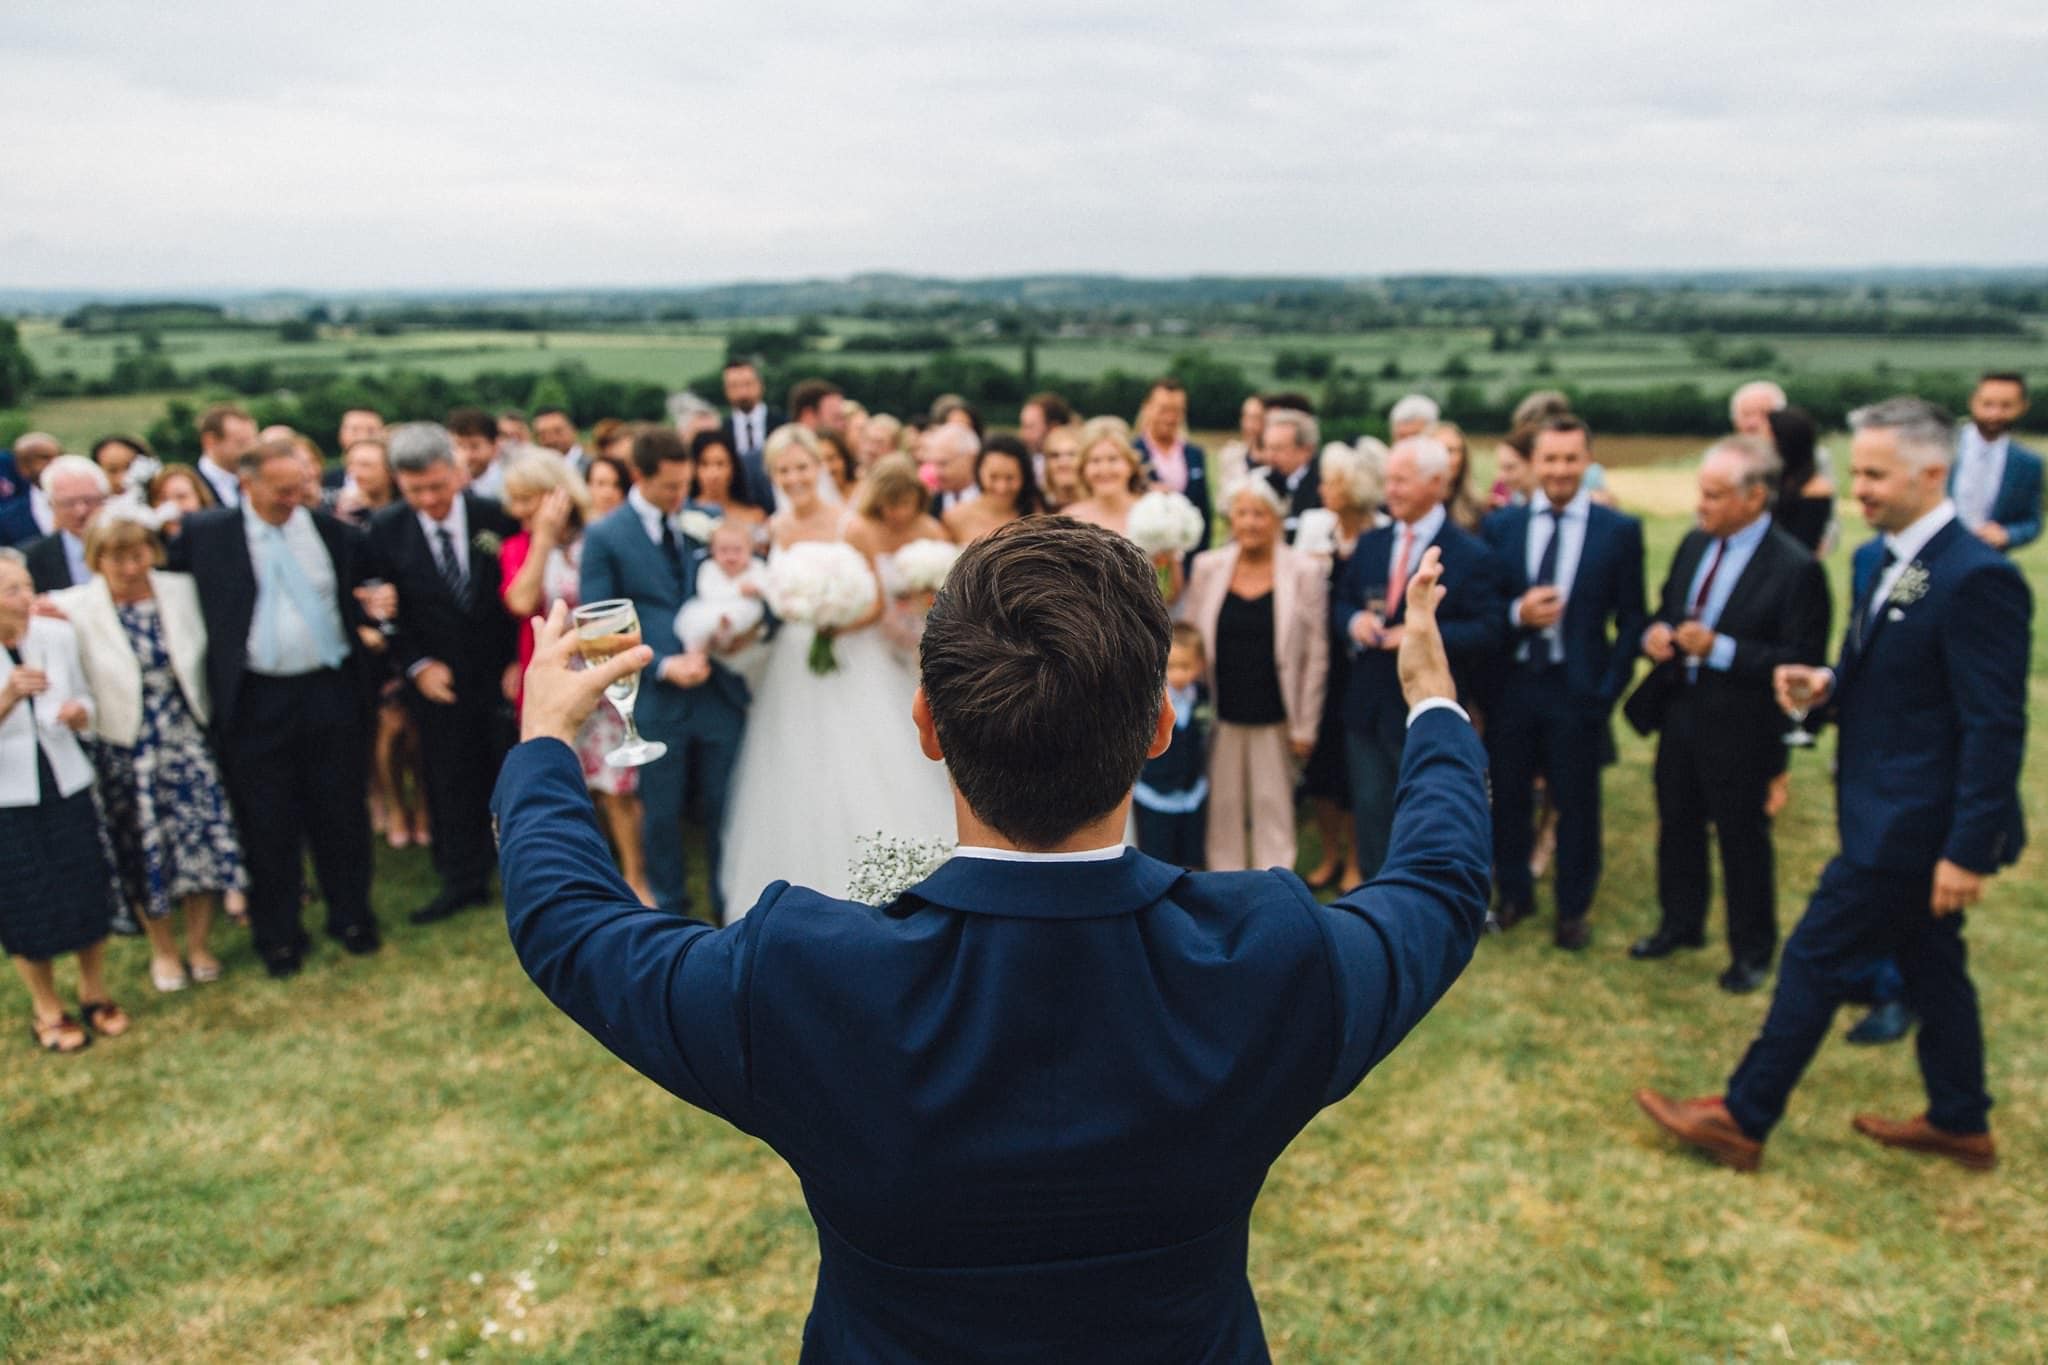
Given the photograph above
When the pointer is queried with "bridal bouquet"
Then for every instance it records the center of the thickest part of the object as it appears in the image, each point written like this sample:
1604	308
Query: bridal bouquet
1165	523
697	524
924	565
884	868
827	586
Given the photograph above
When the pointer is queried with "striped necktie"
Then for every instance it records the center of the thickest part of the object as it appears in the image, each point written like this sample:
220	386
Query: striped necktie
451	567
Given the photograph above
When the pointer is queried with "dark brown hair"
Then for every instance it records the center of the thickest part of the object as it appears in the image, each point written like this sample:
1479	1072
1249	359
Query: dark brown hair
807	394
656	447
1058	412
472	422
214	421
1044	661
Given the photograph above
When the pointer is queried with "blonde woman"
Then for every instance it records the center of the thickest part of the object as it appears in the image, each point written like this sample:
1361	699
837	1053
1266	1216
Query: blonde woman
893	511
1114	473
142	645
1060	468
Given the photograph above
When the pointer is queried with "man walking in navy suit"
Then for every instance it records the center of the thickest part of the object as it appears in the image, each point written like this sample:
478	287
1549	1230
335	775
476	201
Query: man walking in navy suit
1032	1099
689	701
1996	481
1367	608
1930	694
1574	574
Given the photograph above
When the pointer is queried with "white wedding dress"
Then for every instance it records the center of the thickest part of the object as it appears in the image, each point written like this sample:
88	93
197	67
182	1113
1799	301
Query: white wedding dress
829	758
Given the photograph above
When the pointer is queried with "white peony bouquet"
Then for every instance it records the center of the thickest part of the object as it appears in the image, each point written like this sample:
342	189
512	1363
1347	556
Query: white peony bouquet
827	586
1165	523
884	868
697	524
924	565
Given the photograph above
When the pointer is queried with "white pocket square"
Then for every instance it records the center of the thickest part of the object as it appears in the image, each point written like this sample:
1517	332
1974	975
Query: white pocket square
1895	614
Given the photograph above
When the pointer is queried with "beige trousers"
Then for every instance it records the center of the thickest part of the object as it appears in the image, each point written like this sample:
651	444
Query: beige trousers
1251	797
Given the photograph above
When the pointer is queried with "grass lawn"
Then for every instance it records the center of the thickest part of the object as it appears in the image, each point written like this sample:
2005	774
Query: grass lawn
415	1157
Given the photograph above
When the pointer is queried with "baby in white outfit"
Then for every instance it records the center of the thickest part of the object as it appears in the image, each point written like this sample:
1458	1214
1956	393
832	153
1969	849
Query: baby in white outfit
727	603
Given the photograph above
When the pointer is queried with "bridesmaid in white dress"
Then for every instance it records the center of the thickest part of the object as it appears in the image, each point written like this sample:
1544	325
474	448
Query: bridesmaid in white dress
830	758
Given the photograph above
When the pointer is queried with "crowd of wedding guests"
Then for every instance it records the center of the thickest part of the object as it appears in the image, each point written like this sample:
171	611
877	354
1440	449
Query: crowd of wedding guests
213	671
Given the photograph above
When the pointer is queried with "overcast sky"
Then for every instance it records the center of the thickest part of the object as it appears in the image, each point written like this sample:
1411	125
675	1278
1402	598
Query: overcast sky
450	143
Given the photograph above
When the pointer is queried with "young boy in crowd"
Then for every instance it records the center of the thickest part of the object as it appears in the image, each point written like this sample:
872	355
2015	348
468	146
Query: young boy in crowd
1171	799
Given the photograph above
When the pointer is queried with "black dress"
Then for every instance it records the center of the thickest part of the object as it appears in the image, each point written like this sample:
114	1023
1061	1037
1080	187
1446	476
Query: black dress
53	863
1247	676
1806	519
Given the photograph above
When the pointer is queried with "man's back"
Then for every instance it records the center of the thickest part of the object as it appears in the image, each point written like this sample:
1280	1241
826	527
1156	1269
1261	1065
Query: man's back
1031	1104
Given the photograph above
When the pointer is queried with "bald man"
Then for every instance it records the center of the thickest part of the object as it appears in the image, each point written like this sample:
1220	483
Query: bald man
25	511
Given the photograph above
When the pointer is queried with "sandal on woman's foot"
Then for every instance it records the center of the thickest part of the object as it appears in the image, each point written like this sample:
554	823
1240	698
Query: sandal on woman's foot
104	1017
168	979
205	970
62	1034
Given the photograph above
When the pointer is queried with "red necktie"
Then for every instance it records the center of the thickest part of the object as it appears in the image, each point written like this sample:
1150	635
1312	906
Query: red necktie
1699	601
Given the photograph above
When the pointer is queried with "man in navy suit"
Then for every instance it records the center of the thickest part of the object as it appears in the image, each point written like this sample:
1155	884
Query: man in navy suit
1996	481
749	422
688	700
1368	607
1174	462
1291	456
1574	572
1931	695
1032	1098
25	513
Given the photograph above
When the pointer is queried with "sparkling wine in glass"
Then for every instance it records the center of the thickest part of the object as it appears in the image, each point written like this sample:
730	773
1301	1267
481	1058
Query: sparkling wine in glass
602	630
1800	689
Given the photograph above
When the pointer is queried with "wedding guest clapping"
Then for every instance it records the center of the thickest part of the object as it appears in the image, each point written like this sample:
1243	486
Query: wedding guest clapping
142	646
60	890
1260	608
1008	491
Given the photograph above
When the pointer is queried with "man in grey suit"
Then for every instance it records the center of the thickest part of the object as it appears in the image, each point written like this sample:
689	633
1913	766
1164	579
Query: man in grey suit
688	700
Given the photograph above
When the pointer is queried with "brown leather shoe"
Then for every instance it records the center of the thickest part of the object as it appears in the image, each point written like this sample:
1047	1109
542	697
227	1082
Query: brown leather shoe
1706	1124
1973	1150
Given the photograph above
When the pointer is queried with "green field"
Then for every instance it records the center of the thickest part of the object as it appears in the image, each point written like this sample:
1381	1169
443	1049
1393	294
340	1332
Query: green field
415	1157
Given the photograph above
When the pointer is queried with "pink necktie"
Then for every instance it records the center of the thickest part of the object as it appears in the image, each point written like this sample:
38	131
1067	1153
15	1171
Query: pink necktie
1398	580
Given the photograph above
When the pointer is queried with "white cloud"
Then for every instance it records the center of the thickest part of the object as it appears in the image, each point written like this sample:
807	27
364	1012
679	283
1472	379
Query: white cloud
621	142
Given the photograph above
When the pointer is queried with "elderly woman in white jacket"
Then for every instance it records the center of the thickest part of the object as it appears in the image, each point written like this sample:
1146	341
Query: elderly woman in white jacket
142	642
59	894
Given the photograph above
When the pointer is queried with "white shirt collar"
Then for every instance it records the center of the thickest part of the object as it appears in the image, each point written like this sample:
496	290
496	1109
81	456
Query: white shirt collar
457	522
1575	510
650	516
1018	855
1425	528
1908	544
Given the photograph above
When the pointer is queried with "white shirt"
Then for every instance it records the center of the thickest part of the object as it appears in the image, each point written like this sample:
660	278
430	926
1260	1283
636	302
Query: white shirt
39	508
1907	545
226	485
650	516
750	428
74	557
1571	527
298	650
490	483
457	523
1980	469
578	461
1421	533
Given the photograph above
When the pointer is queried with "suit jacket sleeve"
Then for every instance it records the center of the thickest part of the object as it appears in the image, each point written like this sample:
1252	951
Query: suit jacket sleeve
2027	528
664	994
1396	944
599	579
1631	616
1986	639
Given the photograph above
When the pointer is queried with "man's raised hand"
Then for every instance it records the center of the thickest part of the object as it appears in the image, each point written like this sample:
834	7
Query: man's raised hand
1425	671
560	696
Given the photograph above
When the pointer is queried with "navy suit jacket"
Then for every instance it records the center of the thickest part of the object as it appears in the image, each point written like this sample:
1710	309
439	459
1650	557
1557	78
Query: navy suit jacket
619	560
1198	483
1931	698
17	514
2018	505
1030	1105
753	466
1472	618
1605	615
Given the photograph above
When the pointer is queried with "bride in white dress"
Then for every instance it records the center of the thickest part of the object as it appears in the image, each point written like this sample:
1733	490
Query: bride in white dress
827	759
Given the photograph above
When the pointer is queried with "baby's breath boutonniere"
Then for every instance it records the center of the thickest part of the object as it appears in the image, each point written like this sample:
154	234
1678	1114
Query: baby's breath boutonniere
1910	586
486	542
885	867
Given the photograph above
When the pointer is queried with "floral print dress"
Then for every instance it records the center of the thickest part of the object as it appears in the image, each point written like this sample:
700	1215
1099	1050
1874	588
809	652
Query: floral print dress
168	814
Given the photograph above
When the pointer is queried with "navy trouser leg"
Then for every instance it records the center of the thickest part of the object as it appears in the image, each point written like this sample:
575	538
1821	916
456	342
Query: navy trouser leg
664	784
1512	742
1932	960
1374	773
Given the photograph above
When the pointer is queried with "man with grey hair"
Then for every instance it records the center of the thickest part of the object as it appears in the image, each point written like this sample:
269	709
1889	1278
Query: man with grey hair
1368	609
1930	693
953	449
1411	416
1742	597
25	513
1750	408
1287	453
76	489
456	644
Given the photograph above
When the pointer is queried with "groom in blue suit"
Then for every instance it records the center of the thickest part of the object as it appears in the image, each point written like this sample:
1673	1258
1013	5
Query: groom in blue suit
1930	694
1032	1098
689	701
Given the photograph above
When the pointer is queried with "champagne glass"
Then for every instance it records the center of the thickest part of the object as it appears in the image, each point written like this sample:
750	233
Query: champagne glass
385	625
602	630
1800	688
1376	607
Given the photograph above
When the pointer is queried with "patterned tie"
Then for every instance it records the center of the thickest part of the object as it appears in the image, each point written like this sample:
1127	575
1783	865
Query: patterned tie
451	567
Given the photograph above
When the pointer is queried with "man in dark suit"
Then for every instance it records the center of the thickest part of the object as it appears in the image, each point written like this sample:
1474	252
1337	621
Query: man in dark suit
1173	461
291	699
76	489
749	422
1742	597
1289	453
1930	694
25	513
1034	1096
1574	572
1368	607
455	640
1996	481
689	701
